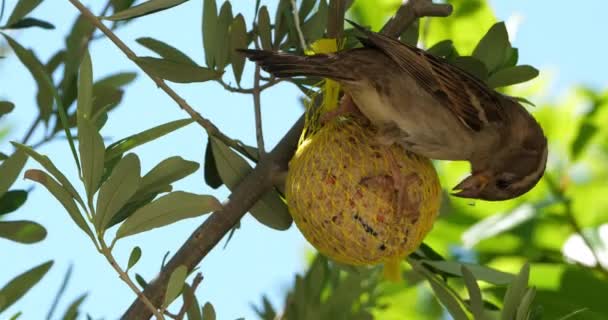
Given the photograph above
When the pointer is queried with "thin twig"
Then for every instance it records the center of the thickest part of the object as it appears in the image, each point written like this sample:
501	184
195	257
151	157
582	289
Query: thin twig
296	22
270	82
211	129
187	302
31	130
257	106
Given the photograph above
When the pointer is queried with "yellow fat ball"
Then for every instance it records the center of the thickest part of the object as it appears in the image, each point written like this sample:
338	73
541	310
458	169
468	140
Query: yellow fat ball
340	190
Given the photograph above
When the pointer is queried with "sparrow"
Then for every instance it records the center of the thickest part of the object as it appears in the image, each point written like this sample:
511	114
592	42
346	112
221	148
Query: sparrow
431	108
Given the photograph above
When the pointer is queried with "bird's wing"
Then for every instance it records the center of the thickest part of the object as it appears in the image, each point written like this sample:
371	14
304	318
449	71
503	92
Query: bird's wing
474	103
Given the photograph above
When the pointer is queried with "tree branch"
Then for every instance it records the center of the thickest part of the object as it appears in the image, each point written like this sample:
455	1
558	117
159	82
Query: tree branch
410	11
247	193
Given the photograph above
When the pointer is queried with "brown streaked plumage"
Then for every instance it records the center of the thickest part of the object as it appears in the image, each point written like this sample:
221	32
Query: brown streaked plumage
432	108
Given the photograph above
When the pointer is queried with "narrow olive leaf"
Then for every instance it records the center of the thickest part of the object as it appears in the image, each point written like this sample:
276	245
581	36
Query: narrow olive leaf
10	169
238	40
44	97
117	80
512	75
12	200
314	28
148	7
85	88
71	313
136	203
120	5
22	231
21	284
475	299
210	41
175	284
194	309
91	148
123	145
442	49
175	71
264	31
208	311
47	164
222	32
6	107
270	210
526	303
446	297
585	133
22	8
117	190
163	174
515	293
305	8
16	316
62	195
167	209
471	65
493	48
212	177
166	51
134	257
480	272
55	61
280	21
141	281
31	22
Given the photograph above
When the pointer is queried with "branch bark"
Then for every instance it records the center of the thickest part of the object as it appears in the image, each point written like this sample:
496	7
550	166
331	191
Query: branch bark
261	179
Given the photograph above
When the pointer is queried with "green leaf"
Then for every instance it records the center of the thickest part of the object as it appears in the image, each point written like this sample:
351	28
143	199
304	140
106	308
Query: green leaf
585	133
447	298
472	66
175	284
22	231
210	41
167	209
194	309
238	40
134	257
280	21
480	272
117	190
31	22
512	75
141	281
222	49
54	62
10	169
148	7
442	49
12	200
22	8
474	293
72	311
166	51
6	107
175	71
120	5
512	58
493	49
121	146
16	316
85	88
21	284
47	164
411	34
264	31
305	8
163	174
212	177
270	210
515	293
314	28
63	196
524	308
208	311
44	97
117	80
91	148
134	204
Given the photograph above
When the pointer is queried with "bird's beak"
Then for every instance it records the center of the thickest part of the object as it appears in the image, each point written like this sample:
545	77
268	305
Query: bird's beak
472	186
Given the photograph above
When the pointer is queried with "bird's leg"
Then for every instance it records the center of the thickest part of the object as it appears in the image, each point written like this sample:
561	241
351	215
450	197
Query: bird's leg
346	106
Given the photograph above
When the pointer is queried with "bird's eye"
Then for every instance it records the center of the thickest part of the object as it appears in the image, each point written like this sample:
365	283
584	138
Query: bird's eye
502	184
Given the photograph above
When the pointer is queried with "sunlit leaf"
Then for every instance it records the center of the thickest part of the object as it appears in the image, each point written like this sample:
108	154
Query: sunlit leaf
12	200
480	272
448	299
238	40
512	75
134	257
264	31
493	49
117	190
22	8
515	293
208	311
21	284
210	41
166	172
175	71
22	231
166	51
175	284
10	169
523	311
31	22
91	148
222	49
145	8
85	88
123	145
117	80
475	299
167	209
62	195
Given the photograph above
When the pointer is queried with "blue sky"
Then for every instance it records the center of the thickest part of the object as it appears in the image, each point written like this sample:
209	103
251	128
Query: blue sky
258	260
